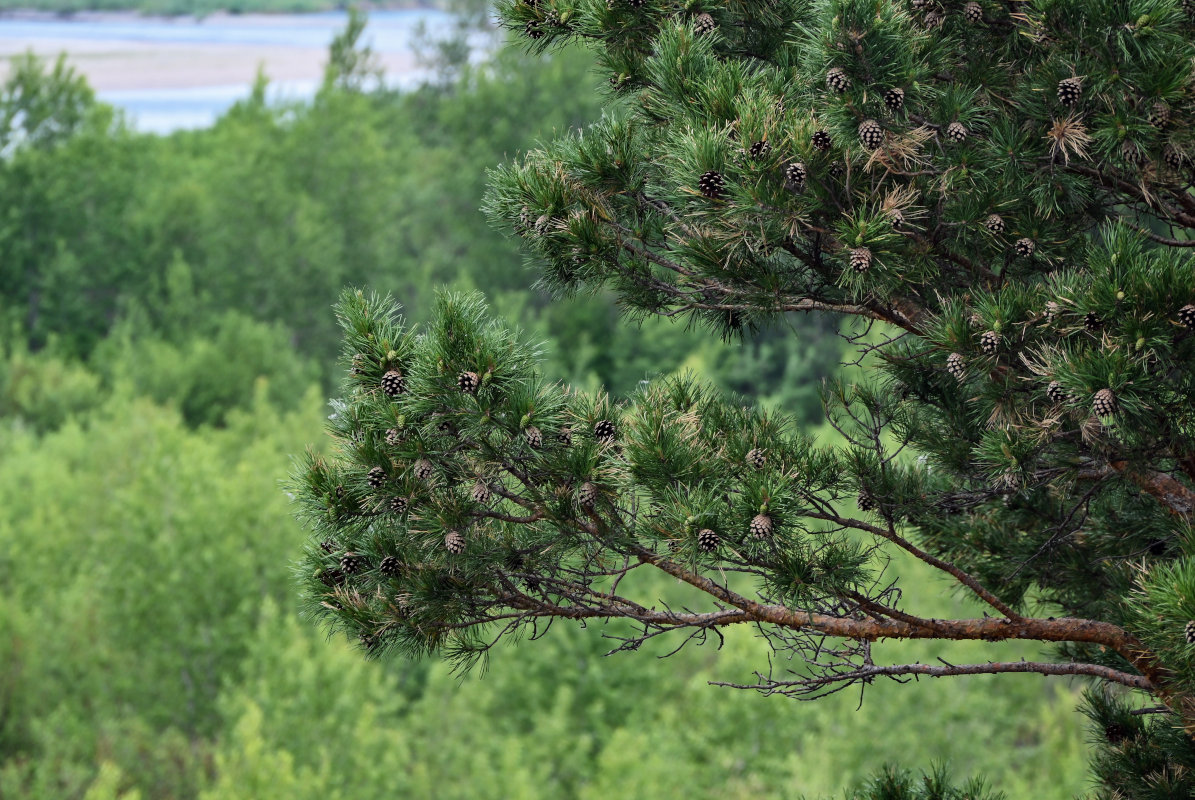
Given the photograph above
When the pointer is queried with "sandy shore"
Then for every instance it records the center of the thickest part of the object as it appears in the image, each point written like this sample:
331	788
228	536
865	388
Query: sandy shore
126	62
138	65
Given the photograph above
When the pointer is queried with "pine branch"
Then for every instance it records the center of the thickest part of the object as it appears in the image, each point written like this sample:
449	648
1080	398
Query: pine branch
1175	496
989	629
953	570
810	687
1133	191
1166	240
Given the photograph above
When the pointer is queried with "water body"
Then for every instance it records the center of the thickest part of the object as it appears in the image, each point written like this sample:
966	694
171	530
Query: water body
166	110
172	73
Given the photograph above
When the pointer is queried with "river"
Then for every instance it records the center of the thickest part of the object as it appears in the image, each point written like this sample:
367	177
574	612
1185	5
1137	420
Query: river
169	73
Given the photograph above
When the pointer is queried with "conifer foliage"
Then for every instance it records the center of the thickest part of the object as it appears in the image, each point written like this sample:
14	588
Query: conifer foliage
1005	186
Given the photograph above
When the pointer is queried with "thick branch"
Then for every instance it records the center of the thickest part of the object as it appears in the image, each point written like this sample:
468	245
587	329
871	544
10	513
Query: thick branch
1172	494
1169	242
1063	629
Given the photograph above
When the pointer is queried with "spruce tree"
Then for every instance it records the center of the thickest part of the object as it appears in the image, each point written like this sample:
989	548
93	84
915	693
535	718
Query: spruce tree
1002	187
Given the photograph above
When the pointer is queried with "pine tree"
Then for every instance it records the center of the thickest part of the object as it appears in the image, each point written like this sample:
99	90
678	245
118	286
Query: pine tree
1016	223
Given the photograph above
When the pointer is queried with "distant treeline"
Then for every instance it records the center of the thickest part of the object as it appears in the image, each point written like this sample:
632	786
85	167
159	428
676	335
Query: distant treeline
204	7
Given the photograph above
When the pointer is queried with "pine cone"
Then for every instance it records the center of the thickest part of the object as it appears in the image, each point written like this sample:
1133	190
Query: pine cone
1055	393
586	494
973	13
995	223
761	526
376	477
1159	115
956	132
708	541
605	431
480	493
1186	315
759	149
399	505
1173	158
712	184
795	174
956	365
352	563
534	437
989	342
1115	733
393	383
894	99
871	134
1132	152
837	80
1104	403
332	577
1069	91
860	259
821	140
468	382
390	566
704	24
423	469
757	458
454	543
1024	247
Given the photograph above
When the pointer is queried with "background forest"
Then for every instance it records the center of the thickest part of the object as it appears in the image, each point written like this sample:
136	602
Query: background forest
168	346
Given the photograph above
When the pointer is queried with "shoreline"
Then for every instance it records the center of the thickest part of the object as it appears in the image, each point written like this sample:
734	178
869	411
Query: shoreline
117	14
126	51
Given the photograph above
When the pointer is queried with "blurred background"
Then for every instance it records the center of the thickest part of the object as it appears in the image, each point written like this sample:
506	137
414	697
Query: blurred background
185	186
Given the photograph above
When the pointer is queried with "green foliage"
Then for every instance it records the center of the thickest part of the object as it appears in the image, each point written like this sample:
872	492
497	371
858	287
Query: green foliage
1010	187
897	784
159	561
42	392
41	109
273	210
145	621
352	65
207	377
412	458
167	563
1139	758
